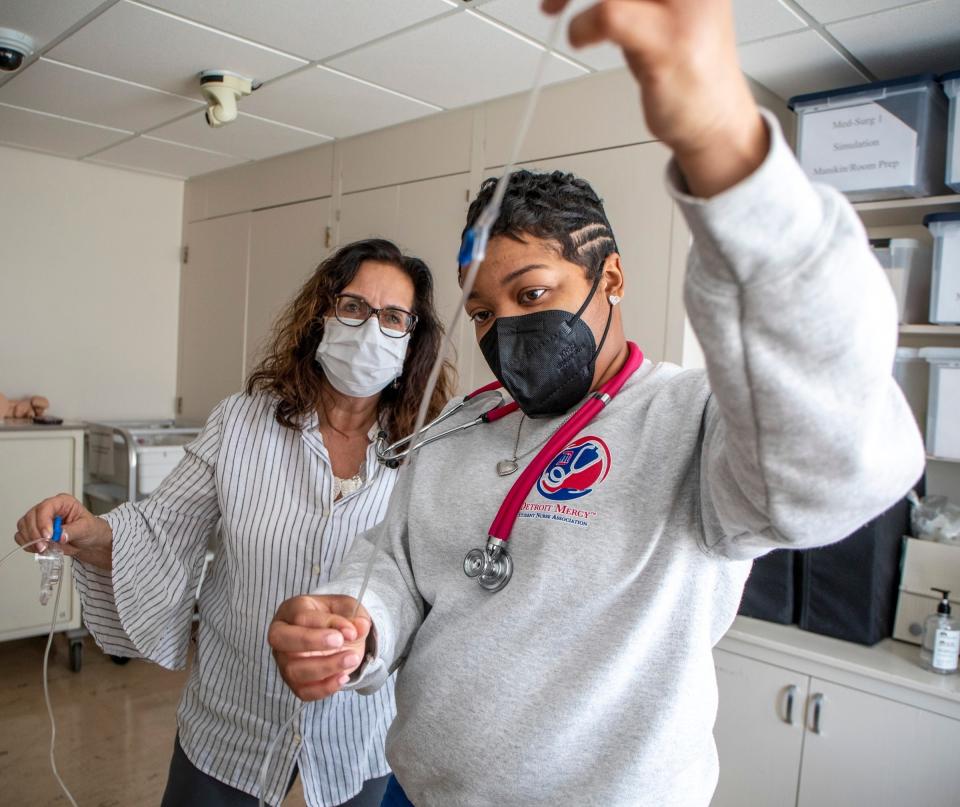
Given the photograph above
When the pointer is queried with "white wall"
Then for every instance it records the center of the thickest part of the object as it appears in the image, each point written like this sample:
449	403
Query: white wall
89	285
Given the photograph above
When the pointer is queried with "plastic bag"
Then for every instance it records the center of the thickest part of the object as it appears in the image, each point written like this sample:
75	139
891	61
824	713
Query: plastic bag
935	518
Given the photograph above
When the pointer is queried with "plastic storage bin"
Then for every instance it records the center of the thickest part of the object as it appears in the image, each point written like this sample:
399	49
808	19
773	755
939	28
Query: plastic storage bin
907	264
912	373
883	140
154	463
945	281
849	589
951	86
770	592
925	564
943	407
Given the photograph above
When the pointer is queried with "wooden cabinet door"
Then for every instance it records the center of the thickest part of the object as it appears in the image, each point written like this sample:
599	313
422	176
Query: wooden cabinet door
213	291
286	245
759	732
630	181
863	750
431	216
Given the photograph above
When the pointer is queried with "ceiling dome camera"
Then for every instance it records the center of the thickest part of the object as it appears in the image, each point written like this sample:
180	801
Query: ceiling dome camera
14	48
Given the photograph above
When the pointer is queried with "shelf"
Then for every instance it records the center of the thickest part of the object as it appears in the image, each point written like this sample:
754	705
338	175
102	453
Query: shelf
931	458
905	211
106	491
931	330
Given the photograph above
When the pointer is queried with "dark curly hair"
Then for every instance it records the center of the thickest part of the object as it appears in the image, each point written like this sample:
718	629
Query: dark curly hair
290	370
557	207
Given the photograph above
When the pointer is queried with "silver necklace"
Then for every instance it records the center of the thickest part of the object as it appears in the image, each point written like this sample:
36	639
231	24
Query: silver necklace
510	466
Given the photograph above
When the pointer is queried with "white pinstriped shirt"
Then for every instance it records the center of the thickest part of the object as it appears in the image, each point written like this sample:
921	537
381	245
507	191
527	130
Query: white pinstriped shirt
281	534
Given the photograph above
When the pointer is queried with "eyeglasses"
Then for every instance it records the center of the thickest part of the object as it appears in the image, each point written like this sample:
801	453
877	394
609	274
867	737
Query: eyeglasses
354	311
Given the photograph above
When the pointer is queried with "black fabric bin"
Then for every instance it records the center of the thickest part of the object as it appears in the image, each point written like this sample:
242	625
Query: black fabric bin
849	590
770	590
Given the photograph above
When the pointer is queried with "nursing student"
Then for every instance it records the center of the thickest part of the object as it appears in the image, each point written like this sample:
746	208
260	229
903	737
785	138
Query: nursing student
588	678
287	470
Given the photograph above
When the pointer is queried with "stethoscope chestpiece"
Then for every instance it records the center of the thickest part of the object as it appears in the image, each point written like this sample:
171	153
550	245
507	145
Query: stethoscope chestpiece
492	566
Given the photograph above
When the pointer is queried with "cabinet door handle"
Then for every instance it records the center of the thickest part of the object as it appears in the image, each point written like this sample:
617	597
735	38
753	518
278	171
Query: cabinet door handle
789	701
816	704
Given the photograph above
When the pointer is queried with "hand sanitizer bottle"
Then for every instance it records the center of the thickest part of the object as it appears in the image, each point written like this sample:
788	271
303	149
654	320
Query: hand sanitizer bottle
941	638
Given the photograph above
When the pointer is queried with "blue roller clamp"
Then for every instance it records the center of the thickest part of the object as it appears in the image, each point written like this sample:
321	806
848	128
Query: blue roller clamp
57	529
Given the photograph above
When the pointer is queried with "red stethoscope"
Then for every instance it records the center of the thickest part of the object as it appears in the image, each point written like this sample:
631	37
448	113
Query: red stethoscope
492	566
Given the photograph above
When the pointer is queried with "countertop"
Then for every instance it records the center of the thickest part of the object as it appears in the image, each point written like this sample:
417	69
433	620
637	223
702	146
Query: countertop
9	425
890	661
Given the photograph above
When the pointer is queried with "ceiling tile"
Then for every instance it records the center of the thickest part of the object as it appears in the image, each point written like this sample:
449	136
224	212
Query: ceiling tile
526	17
915	39
35	130
156	156
313	29
74	93
797	63
150	47
464	59
247	136
758	19
831	10
44	20
326	102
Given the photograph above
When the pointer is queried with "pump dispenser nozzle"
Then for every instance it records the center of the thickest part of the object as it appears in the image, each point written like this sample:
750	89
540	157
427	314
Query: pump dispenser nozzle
944	606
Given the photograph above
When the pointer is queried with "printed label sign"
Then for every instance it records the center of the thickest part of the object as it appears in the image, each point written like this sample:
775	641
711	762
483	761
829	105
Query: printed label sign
858	147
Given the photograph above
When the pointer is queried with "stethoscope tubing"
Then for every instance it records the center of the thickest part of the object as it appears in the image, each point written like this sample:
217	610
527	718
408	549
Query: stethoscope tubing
506	516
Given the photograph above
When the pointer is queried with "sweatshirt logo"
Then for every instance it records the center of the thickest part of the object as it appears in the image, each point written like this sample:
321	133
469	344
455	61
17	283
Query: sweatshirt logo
576	470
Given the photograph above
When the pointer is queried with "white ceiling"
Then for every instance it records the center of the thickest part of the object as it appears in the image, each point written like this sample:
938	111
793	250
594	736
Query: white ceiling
115	81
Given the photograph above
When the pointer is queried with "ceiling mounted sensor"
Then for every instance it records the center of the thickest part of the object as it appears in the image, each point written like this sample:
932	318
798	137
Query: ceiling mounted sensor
221	90
14	48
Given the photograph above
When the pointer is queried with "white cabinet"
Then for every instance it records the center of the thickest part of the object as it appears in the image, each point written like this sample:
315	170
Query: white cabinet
35	462
809	721
862	749
630	182
425	219
213	293
286	245
759	732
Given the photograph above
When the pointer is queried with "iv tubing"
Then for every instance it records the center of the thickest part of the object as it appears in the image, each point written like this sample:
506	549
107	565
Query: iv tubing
46	659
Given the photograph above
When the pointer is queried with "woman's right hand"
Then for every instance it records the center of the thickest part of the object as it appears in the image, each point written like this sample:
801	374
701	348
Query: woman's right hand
316	644
84	536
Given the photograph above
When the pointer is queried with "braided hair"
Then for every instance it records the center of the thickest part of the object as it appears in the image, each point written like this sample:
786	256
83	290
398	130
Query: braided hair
557	207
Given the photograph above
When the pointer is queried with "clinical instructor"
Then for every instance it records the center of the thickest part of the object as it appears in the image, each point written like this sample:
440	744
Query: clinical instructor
289	472
588	679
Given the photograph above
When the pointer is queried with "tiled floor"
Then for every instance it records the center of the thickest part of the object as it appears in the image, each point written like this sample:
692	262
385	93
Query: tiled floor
115	728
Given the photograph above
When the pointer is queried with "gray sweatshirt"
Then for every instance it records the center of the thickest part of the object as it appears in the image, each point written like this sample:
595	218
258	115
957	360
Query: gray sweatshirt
589	679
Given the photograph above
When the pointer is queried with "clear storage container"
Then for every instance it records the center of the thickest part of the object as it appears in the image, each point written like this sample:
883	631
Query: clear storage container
883	140
912	373
945	280
943	407
906	263
154	463
951	86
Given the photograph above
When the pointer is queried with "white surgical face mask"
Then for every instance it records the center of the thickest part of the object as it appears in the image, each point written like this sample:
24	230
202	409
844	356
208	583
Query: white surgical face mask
360	361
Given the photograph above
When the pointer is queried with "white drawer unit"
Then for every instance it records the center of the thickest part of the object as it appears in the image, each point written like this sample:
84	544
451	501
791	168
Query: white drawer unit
35	462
